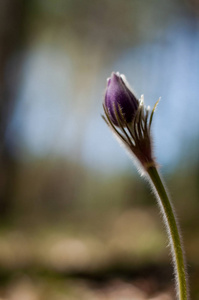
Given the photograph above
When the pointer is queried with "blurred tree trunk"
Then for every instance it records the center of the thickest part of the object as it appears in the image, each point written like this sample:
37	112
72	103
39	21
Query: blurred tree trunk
12	35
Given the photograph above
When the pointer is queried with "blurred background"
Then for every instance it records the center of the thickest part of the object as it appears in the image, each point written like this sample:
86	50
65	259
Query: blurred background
76	220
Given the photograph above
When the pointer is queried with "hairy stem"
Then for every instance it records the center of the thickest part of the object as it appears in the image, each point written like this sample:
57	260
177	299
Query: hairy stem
173	232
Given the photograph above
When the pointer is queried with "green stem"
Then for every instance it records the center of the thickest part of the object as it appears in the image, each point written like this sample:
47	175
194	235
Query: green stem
173	232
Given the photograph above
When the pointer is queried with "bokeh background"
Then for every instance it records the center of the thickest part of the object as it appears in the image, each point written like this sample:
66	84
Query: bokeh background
76	221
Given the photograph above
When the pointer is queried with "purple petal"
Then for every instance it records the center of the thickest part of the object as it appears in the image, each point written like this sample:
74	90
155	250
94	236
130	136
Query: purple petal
117	94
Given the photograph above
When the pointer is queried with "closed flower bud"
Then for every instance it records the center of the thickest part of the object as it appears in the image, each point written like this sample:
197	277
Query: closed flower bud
129	119
120	102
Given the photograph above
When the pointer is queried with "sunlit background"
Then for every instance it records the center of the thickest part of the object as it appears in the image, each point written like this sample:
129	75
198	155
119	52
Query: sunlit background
76	220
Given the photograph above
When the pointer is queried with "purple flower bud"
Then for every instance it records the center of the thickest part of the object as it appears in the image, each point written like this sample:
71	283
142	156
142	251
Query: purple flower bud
119	98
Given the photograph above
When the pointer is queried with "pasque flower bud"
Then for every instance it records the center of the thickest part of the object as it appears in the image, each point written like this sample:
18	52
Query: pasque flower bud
119	101
129	119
